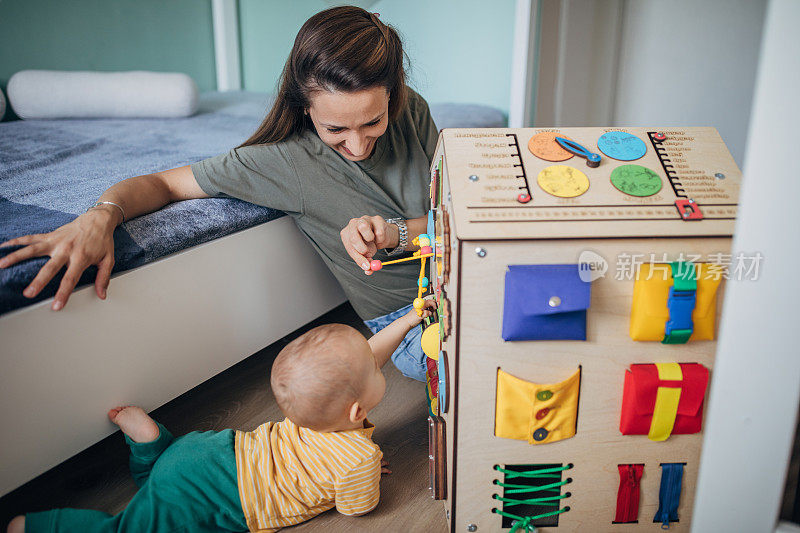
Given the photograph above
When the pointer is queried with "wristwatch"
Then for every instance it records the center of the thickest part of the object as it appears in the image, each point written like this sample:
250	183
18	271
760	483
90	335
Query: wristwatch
403	230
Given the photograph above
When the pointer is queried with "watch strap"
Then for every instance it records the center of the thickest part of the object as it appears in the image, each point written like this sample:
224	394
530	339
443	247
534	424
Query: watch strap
403	235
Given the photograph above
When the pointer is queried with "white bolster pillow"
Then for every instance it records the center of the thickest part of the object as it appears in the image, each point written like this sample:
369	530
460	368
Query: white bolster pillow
37	94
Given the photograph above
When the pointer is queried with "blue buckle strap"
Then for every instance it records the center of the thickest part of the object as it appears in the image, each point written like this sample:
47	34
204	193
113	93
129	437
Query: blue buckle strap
681	303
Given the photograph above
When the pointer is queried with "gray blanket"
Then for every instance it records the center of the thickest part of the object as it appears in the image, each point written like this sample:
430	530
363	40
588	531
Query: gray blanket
51	170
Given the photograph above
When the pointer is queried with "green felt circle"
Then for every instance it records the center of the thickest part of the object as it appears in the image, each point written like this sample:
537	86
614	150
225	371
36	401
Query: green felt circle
636	180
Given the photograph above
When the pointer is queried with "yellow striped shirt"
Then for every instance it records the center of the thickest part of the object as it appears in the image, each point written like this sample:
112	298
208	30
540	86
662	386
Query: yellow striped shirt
288	474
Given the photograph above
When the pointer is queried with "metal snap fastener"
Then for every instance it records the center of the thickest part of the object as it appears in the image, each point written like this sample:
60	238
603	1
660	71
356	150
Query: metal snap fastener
544	395
540	434
554	301
541	413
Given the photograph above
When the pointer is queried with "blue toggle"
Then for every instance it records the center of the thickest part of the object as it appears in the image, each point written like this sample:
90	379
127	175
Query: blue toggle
592	159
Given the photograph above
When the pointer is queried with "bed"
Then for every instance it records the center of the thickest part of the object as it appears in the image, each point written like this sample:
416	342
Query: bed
197	286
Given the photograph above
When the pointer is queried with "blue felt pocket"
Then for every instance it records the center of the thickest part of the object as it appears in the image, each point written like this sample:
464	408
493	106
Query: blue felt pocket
545	302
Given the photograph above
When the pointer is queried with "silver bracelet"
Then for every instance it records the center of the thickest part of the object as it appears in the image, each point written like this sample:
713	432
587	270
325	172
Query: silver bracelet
97	204
403	235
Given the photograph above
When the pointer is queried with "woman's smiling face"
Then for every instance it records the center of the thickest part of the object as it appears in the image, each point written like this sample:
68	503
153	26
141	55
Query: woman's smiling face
350	123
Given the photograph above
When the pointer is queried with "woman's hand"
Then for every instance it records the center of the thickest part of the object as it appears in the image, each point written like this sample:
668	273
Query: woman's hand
363	237
87	240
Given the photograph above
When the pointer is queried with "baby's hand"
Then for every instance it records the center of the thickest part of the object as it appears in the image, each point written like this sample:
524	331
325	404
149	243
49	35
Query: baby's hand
385	467
414	319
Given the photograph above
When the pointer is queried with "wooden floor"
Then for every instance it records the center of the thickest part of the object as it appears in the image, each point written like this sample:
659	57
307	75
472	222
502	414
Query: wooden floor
240	398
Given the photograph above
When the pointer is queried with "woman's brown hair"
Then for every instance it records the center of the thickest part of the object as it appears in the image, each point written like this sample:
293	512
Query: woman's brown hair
343	49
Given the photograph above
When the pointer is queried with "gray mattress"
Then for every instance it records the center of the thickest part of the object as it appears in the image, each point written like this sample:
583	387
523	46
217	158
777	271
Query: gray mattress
51	170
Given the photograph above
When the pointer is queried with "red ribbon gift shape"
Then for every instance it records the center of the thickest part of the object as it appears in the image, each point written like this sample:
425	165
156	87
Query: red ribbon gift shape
663	398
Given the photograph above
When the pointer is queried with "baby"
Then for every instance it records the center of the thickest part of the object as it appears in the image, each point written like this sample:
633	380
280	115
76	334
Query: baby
282	473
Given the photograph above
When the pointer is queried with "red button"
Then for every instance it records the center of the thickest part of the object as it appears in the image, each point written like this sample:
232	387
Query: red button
541	413
524	198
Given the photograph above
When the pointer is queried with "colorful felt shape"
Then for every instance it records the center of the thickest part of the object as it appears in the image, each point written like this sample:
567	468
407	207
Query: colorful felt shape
534	412
443	384
434	192
545	302
662	399
651	292
432	386
430	341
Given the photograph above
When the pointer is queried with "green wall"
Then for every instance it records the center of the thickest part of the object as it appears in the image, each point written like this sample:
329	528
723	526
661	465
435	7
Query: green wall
460	50
160	35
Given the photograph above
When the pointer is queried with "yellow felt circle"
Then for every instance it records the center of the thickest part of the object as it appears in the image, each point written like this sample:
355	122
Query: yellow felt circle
430	341
563	181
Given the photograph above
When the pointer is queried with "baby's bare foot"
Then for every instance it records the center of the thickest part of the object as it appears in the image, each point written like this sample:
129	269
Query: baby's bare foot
135	423
17	525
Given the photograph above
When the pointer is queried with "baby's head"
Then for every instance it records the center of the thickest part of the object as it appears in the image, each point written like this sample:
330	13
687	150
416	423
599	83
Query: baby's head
327	379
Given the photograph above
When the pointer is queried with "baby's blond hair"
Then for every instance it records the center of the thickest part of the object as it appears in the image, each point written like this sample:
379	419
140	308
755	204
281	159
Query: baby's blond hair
318	375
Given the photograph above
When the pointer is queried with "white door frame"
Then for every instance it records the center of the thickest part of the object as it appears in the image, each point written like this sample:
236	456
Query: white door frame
524	64
225	19
755	387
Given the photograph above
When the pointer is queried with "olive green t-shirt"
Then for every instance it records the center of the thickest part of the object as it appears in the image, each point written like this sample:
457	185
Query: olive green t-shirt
322	191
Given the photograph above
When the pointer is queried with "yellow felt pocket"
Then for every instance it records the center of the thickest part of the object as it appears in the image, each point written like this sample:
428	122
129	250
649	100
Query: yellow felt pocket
537	413
650	313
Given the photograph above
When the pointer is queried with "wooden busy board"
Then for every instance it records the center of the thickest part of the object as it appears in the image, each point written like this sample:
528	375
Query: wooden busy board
482	227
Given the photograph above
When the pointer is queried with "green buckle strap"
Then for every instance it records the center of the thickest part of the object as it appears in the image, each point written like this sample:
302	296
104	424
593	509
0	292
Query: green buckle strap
684	276
677	336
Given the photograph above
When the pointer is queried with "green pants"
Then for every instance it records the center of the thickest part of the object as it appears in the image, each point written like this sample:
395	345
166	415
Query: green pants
185	484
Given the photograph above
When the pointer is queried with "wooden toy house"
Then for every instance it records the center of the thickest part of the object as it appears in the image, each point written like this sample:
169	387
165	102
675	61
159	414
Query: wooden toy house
556	249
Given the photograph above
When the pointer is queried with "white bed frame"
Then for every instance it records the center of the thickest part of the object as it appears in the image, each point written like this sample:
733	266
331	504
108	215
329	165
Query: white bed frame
165	328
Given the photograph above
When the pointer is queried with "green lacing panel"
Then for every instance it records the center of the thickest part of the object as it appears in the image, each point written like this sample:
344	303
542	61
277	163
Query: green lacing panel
525	523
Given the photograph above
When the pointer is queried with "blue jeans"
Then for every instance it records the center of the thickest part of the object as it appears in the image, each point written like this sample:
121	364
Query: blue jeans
408	357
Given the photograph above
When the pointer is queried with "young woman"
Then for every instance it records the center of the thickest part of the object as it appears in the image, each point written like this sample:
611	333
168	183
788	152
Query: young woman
345	151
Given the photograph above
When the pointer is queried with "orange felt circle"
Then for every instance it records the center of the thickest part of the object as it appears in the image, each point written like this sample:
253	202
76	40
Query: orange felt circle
544	146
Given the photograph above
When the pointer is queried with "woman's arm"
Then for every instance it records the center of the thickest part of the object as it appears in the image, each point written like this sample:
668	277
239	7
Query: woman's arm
151	192
363	237
416	227
89	239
